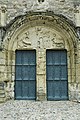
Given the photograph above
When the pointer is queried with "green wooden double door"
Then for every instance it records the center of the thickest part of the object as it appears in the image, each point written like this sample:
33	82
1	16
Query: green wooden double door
56	75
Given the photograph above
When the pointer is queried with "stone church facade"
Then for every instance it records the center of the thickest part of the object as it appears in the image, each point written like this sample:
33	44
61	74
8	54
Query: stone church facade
40	50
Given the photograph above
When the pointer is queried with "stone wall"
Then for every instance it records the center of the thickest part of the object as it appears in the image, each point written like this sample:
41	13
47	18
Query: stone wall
19	7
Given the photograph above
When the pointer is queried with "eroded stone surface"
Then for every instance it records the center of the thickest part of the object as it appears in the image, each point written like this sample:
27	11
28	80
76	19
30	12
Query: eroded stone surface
41	32
17	7
47	110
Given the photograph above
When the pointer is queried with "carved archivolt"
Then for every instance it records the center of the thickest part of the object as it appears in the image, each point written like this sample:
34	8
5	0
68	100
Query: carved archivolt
51	20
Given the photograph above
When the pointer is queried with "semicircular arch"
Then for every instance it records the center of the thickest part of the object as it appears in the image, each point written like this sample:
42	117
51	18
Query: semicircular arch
41	31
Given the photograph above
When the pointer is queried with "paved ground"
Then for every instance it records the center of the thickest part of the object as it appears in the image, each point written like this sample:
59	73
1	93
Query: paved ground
36	110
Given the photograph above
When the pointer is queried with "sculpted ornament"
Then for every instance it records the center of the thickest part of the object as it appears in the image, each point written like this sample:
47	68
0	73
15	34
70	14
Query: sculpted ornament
40	38
35	19
47	39
24	41
58	43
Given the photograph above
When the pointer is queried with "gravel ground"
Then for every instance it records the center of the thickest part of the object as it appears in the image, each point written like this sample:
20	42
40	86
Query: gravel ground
39	110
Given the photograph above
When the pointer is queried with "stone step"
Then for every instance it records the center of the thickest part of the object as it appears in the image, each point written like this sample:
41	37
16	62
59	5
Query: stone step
2	92
2	95
2	100
1	85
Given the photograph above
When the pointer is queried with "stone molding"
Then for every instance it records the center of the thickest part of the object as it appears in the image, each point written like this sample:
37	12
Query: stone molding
43	18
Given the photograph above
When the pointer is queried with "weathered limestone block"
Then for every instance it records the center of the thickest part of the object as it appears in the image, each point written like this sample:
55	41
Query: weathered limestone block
2	61
18	7
2	92
41	92
77	16
74	92
41	63
3	15
41	69
9	90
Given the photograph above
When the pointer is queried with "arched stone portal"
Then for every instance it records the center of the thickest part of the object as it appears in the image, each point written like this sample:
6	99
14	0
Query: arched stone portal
40	32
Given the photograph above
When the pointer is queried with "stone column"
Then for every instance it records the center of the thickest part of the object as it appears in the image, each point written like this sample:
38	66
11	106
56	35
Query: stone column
77	57
41	75
77	16
78	73
3	16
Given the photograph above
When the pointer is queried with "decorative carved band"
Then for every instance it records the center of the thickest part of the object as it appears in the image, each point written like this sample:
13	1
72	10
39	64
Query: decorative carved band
44	19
